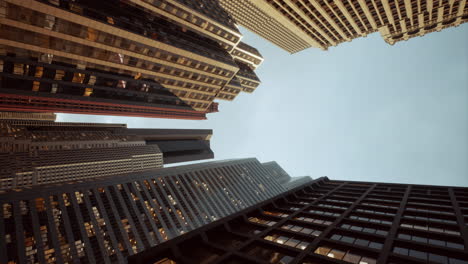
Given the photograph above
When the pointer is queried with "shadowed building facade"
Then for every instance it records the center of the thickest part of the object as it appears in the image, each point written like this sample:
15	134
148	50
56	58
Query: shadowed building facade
44	152
327	221
298	25
108	219
166	59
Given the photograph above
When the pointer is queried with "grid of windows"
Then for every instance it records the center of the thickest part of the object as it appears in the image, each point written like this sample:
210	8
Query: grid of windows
107	220
167	59
328	23
45	152
273	233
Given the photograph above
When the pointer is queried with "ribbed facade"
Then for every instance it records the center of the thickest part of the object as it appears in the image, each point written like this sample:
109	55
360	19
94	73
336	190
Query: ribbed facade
297	181
266	22
167	59
281	176
106	220
327	221
28	116
297	25
43	152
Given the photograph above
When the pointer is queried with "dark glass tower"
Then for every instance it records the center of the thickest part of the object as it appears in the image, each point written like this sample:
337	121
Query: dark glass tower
44	152
108	219
327	221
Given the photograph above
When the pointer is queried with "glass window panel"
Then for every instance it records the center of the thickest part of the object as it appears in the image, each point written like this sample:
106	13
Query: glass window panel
438	259
418	254
369	230
286	259
437	242
281	239
352	258
455	245
302	245
401	251
457	261
404	236
316	233
381	232
362	242
419	239
336	254
296	228
367	260
336	237
292	242
322	250
348	239
375	245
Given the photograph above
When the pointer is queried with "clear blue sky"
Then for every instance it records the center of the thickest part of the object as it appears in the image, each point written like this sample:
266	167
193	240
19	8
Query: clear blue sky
363	110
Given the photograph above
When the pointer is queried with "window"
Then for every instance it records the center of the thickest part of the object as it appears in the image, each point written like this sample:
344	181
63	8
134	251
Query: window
288	241
348	256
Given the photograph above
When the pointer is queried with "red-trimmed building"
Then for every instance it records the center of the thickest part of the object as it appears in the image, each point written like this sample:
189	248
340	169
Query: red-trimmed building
166	59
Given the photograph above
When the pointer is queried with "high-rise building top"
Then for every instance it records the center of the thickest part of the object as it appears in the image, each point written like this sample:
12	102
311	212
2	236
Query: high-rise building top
44	152
264	20
289	183
165	58
277	172
205	17
247	77
27	116
297	25
328	221
107	219
247	54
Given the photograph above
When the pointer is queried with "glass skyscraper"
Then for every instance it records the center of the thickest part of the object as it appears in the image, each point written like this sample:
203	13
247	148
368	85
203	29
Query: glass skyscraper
108	219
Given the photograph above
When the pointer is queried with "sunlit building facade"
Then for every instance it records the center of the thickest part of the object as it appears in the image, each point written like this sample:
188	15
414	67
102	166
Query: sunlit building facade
248	59
327	221
108	219
27	116
298	25
167	59
44	152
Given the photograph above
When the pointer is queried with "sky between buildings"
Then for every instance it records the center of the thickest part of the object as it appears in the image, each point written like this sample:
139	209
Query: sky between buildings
363	110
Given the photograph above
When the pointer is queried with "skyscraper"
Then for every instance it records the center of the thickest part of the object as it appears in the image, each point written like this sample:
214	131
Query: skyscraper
298	25
283	177
44	152
167	59
248	59
327	221
107	219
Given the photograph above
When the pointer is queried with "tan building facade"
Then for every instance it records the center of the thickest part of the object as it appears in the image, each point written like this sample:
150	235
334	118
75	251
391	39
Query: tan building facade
295	25
247	59
28	116
168	58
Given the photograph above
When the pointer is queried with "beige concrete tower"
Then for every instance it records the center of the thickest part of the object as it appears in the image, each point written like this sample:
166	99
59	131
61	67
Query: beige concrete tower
295	25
